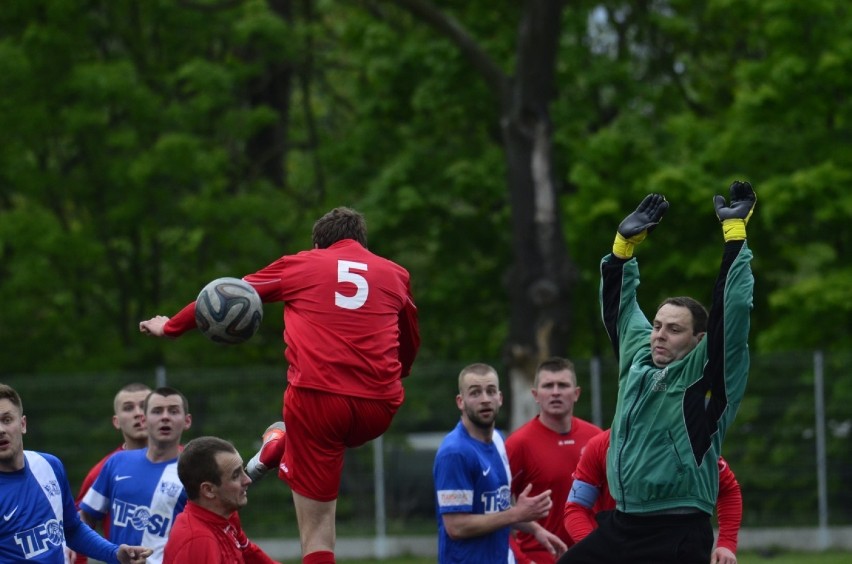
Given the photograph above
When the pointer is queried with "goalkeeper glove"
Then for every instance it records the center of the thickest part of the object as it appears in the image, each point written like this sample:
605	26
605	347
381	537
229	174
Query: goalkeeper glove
735	217
636	226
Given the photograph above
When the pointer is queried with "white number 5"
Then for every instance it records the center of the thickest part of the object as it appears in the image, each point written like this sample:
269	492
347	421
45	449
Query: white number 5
345	274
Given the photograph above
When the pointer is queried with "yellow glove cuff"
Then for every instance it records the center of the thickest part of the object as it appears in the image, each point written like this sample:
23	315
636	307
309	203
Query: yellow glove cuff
623	247
734	229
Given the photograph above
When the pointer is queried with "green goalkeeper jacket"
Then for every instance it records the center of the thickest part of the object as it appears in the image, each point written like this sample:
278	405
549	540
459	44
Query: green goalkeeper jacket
669	423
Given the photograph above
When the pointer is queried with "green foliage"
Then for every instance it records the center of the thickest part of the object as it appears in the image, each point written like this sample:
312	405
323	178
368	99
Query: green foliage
146	148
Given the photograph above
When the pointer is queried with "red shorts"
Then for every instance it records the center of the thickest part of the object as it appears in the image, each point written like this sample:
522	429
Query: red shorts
320	427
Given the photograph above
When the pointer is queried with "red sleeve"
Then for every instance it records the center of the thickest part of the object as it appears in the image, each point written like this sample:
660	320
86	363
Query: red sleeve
591	468
579	521
409	335
181	322
729	507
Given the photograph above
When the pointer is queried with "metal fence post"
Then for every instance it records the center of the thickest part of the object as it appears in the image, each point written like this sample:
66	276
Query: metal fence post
597	410
819	414
379	488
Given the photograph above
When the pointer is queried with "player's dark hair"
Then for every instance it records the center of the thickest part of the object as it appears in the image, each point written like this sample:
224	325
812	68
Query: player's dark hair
166	391
197	464
337	225
9	393
555	364
699	313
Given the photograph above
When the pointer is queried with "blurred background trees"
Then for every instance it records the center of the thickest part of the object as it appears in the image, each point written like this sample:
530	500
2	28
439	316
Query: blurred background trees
148	147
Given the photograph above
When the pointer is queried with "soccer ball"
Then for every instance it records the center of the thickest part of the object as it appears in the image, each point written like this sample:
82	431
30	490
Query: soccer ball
228	311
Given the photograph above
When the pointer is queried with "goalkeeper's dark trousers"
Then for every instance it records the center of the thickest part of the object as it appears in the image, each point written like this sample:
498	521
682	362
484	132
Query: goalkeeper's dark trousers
623	538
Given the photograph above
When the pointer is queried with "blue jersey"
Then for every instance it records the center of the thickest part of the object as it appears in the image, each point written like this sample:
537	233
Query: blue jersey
39	516
142	497
472	477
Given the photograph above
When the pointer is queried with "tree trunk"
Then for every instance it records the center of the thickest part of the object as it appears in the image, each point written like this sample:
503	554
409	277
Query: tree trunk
540	279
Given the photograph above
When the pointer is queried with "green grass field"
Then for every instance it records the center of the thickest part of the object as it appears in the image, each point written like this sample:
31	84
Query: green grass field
742	558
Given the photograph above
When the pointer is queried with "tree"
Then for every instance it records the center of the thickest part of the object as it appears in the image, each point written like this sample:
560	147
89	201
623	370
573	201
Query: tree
539	281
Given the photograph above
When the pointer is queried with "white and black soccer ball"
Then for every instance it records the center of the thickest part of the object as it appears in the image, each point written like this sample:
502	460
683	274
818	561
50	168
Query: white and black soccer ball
228	311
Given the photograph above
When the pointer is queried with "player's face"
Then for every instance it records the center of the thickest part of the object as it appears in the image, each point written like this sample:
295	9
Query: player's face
480	399
672	337
556	392
129	415
231	493
13	426
166	419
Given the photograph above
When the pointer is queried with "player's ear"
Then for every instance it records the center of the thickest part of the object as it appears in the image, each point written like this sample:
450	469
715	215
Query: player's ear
699	336
206	490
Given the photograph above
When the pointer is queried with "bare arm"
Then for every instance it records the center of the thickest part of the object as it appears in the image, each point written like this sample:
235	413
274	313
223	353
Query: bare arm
468	525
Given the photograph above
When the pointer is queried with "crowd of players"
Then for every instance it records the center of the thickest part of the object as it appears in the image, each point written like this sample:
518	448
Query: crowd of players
644	493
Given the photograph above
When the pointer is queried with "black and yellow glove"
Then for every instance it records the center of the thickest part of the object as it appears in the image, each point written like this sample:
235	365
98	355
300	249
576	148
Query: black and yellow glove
636	226
735	217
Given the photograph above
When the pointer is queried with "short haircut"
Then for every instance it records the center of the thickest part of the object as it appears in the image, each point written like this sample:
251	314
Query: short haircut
9	393
478	368
197	463
698	311
555	364
166	391
130	388
337	225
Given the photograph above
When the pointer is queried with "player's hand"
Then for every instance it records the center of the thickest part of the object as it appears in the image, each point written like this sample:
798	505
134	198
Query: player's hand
154	326
734	217
133	554
533	508
722	555
551	542
635	227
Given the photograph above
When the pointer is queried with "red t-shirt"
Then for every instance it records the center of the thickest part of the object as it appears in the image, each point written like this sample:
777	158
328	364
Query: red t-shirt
579	521
199	535
349	317
546	459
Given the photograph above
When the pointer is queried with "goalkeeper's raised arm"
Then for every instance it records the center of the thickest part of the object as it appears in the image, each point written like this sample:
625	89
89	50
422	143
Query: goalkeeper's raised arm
681	378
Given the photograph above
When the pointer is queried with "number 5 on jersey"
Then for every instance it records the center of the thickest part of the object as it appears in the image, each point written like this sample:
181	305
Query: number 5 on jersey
345	274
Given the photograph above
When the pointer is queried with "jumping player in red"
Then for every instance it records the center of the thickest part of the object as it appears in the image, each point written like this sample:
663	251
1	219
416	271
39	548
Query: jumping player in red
590	495
545	450
351	335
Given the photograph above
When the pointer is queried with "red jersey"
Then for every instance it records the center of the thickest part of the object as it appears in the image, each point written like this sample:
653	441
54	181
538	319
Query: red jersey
544	458
349	318
84	487
199	535
579	521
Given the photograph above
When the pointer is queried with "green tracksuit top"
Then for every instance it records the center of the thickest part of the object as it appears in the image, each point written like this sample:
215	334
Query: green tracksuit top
669	423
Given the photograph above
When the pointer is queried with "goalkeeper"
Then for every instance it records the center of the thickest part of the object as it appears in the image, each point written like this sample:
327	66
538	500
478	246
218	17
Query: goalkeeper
681	380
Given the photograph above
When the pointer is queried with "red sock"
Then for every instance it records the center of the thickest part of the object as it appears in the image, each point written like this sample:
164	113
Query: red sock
321	557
